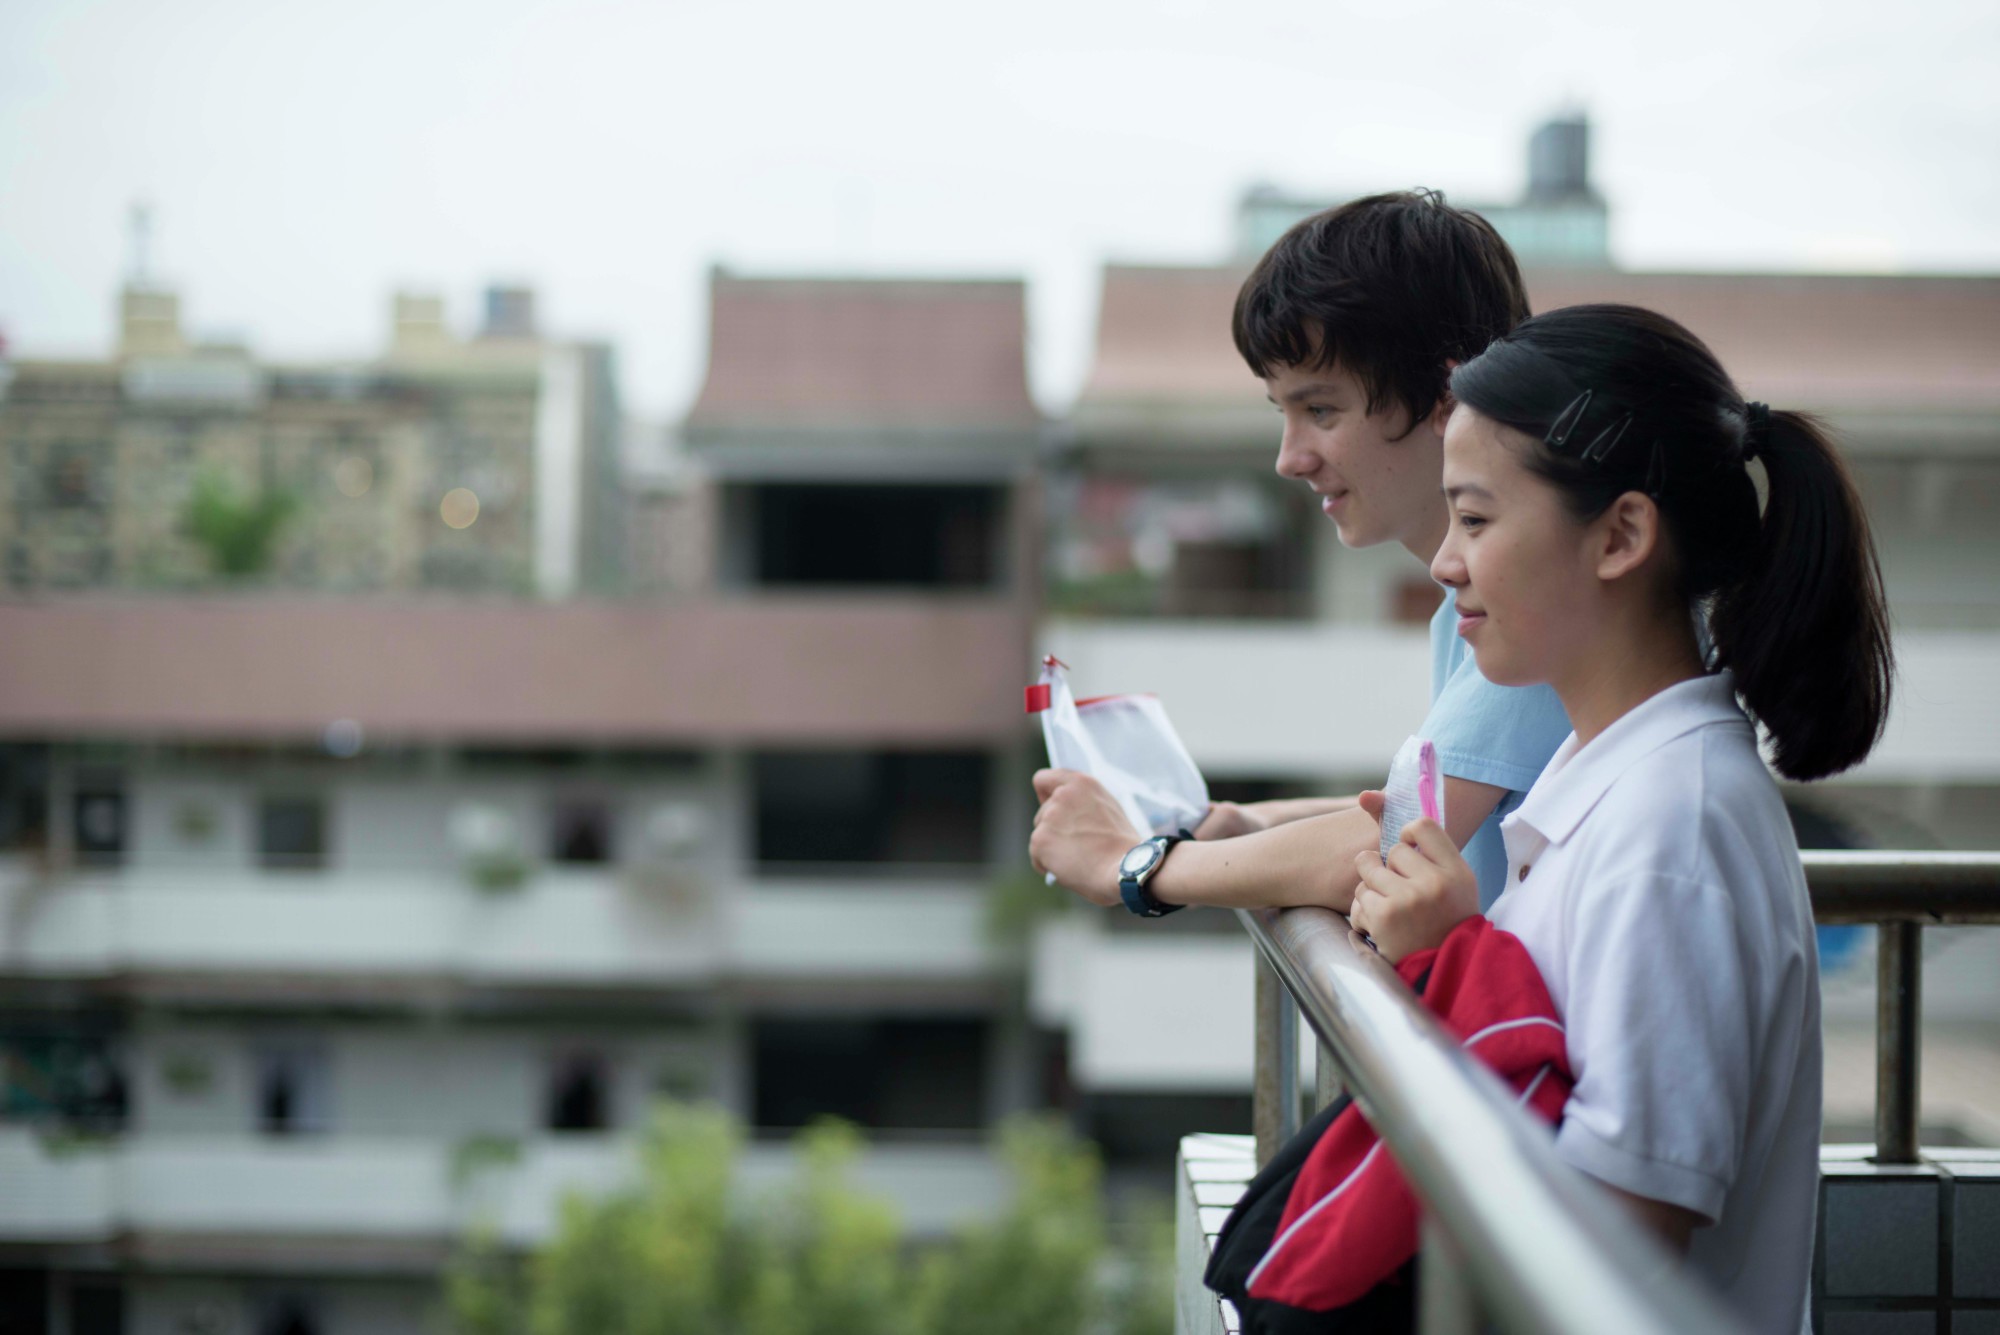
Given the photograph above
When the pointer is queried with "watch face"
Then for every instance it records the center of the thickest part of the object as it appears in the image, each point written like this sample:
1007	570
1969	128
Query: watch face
1136	861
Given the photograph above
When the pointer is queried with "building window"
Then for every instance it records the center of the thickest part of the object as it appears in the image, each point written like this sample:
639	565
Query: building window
579	1093
580	832
294	1090
288	1314
882	1074
99	811
832	807
291	832
843	534
96	1309
24	798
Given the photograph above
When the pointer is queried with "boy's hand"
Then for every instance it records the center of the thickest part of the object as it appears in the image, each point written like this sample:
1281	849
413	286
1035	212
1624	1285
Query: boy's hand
1080	834
1227	820
1426	889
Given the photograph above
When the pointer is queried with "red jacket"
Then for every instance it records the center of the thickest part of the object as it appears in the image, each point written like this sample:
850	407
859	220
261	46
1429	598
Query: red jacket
1348	1222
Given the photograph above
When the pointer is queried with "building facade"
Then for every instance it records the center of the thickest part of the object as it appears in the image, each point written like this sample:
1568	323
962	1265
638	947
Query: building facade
473	465
331	929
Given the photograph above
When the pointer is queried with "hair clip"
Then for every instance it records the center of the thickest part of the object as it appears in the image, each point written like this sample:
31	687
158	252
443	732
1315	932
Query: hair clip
1566	422
1606	440
1656	472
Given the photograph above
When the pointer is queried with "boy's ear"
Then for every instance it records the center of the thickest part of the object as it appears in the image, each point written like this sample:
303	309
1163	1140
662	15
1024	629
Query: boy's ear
1628	535
1441	411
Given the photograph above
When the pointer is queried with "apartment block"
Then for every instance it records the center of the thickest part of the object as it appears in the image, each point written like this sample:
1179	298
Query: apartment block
333	928
481	464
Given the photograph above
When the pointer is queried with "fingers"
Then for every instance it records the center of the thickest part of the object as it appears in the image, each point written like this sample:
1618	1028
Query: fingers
1370	800
1431	839
1048	780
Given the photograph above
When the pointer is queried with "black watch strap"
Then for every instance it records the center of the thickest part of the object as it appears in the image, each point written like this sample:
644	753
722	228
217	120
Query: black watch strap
1132	889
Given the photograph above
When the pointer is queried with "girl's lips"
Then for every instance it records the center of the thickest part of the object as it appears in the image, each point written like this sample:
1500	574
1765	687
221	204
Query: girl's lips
1468	620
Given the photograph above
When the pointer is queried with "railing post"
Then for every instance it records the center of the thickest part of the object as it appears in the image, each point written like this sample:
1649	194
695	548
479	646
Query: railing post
1327	1084
1445	1301
1274	1099
1899	994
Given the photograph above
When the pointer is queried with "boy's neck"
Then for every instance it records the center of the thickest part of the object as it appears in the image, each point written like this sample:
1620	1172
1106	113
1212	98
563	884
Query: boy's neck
1426	532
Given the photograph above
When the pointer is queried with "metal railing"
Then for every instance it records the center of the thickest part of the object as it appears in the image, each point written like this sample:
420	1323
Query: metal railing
1510	1231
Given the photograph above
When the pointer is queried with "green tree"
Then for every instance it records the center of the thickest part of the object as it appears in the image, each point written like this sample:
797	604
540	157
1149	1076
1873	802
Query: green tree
1035	1269
672	1255
238	531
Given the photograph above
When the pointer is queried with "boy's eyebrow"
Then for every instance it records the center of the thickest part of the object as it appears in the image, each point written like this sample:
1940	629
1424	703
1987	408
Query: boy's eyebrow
1312	390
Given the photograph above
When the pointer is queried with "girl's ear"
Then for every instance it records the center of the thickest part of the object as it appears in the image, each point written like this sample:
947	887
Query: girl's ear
1628	534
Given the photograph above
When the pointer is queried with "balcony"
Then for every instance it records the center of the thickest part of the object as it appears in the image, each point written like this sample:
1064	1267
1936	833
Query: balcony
1271	700
399	1201
360	934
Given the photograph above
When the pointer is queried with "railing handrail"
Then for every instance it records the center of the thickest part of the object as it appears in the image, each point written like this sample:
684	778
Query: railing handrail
1549	1251
1876	886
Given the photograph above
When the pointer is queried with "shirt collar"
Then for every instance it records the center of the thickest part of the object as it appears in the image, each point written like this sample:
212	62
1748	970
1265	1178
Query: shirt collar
1578	776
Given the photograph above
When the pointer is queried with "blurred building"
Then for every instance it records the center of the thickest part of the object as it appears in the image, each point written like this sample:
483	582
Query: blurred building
330	929
481	464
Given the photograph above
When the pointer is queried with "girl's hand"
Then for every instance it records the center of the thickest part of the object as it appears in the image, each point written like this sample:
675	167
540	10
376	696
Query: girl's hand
1426	889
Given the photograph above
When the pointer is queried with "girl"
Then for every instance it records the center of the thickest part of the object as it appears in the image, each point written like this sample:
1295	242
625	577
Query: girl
1607	539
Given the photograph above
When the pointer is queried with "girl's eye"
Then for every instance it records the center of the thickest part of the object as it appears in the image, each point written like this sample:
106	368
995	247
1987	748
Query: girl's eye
1470	521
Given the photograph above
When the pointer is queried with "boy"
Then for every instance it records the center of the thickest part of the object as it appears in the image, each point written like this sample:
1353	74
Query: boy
1353	320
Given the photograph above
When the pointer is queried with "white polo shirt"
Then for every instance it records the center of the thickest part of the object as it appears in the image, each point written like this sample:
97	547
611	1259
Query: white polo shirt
1654	878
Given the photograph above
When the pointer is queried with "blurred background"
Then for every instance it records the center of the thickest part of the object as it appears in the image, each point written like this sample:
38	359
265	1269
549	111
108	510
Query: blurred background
522	529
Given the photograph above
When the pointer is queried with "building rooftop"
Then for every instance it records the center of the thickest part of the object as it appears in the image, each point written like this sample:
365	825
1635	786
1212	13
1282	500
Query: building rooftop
1928	345
845	353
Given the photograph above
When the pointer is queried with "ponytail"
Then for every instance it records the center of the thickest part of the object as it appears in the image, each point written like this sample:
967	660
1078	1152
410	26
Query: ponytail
1806	628
1623	399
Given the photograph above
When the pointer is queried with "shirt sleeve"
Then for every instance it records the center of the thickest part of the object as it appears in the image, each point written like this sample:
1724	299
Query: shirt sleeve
1658	1017
1502	735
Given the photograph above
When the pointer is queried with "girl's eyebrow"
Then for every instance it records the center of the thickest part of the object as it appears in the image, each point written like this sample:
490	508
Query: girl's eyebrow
1467	489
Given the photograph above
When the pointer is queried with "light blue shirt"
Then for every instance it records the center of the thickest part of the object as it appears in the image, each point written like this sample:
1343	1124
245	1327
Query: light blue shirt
1501	735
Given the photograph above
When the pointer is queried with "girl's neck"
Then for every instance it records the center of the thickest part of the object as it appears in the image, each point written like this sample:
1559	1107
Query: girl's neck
1624	671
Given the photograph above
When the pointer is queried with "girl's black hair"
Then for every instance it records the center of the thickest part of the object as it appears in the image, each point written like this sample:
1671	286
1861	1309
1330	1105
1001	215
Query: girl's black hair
1622	399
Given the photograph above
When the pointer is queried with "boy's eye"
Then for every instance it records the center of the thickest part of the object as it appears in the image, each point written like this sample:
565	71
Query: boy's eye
1321	412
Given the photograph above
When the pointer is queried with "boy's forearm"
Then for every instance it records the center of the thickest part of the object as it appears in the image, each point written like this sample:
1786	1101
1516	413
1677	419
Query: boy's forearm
1284	810
1305	861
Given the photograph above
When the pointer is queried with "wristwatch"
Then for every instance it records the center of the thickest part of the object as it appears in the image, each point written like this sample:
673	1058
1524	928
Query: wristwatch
1137	867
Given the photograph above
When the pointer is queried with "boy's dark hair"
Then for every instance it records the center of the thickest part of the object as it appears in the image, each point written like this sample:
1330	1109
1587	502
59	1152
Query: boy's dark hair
1615	399
1391	287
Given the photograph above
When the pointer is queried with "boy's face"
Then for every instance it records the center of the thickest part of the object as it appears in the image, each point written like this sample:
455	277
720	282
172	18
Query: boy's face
1376	478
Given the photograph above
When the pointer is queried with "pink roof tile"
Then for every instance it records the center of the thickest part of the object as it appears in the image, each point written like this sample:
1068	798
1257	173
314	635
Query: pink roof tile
866	352
1925	344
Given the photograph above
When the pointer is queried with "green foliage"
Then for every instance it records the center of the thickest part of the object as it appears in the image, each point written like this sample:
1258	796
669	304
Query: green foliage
239	532
1018	900
815	1257
498	872
1033	1269
475	1154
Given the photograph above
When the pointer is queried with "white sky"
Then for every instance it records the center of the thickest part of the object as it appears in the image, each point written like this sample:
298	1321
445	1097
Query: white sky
305	157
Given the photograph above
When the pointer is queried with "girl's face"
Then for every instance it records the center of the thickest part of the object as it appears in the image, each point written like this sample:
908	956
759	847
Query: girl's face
1525	571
